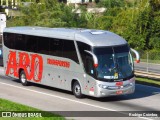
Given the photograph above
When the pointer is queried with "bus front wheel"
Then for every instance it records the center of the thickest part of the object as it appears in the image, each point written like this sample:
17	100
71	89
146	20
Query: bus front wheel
23	78
77	90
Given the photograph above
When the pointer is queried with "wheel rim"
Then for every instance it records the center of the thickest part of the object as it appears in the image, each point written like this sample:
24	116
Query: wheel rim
23	78
77	90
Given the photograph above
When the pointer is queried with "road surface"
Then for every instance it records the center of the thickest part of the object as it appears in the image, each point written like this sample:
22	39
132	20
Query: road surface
153	68
45	98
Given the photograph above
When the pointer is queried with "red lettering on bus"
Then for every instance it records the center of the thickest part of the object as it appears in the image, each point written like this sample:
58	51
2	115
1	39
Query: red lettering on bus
37	67
24	63
60	63
12	64
31	64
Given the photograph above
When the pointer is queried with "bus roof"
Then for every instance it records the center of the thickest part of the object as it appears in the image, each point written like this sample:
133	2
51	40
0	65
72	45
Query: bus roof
92	37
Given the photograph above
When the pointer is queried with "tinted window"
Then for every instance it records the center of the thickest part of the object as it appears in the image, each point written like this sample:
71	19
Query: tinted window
120	49
56	47
103	50
85	57
43	45
69	50
31	43
9	40
20	42
111	50
82	47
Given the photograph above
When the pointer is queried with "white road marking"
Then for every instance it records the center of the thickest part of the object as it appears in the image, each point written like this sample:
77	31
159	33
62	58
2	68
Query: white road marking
2	70
96	106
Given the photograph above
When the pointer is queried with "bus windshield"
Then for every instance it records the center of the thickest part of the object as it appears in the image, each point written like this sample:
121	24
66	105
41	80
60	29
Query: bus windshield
114	62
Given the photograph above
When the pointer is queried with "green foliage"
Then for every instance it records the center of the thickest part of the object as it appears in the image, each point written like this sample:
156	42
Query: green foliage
6	105
154	54
112	3
149	81
138	21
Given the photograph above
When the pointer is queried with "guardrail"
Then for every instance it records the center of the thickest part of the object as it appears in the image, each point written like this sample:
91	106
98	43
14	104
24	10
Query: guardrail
147	74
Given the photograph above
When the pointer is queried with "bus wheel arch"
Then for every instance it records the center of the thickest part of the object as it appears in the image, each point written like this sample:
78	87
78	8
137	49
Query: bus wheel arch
19	71
76	88
22	77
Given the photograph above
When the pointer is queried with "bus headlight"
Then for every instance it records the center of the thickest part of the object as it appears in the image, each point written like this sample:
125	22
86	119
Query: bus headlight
131	84
103	86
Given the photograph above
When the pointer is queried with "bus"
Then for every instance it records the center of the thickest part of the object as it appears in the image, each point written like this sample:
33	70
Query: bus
2	23
89	62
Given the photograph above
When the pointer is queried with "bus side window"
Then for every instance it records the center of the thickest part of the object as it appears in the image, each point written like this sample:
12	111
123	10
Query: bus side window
69	50
87	59
56	47
20	42
9	40
31	43
43	45
89	65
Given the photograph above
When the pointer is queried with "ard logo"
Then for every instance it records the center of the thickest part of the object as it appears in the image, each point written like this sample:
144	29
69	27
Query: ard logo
32	65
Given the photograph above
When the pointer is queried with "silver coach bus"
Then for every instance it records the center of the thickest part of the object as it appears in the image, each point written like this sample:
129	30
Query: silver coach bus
88	62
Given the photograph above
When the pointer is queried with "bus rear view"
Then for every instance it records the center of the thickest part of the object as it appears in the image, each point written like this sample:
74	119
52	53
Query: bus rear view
87	62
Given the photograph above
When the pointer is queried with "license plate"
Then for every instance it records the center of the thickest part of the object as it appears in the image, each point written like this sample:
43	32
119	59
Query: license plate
119	92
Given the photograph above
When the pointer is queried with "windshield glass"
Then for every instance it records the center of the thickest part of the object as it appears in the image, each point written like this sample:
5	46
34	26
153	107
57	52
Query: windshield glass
114	62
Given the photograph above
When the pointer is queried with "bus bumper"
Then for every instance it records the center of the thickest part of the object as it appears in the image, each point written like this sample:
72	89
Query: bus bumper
105	89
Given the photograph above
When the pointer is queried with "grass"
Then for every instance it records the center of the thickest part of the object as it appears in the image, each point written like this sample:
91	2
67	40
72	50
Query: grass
148	81
8	106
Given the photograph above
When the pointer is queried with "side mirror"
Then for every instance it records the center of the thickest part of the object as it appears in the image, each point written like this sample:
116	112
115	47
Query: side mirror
137	55
95	60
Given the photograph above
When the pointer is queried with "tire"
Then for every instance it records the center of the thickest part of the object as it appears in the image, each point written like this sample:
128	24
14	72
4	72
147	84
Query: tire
23	78
77	90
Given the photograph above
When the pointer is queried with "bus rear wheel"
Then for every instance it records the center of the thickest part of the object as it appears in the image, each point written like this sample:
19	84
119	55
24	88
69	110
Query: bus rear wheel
77	90
23	78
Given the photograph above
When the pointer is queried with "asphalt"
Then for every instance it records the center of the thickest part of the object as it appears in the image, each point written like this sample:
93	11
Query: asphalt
151	67
145	98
